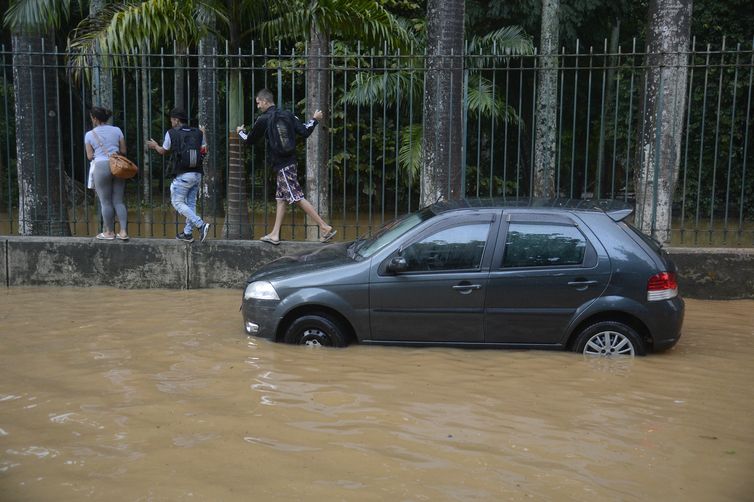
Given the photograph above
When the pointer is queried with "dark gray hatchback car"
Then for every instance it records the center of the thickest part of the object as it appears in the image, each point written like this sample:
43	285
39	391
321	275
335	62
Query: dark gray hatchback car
537	275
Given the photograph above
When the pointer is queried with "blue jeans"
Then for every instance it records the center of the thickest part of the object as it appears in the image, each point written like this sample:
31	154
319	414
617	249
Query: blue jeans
183	193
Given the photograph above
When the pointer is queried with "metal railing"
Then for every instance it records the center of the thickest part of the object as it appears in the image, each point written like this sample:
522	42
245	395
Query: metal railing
374	123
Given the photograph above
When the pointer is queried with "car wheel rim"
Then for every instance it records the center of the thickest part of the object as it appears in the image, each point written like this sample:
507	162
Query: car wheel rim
609	343
315	338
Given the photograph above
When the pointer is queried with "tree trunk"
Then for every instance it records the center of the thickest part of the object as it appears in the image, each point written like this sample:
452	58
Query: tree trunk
42	206
179	77
664	106
442	169
102	76
317	146
211	192
237	218
545	147
602	167
146	175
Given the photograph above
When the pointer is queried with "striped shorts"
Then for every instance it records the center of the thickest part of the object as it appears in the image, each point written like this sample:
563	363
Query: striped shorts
287	185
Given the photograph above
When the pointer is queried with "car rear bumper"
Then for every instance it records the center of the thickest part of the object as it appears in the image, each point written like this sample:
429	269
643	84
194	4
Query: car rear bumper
668	323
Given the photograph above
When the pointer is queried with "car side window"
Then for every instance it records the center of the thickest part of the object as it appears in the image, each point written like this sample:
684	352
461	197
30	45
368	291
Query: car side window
543	245
455	248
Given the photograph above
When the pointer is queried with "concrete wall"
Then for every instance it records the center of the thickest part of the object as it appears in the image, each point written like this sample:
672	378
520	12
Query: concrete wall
172	264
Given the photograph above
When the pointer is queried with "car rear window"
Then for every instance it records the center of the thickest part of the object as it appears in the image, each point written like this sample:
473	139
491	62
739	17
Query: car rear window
548	245
650	241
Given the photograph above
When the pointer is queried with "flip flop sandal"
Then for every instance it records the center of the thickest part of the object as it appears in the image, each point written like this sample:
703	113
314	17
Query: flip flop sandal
122	238
103	237
270	240
328	236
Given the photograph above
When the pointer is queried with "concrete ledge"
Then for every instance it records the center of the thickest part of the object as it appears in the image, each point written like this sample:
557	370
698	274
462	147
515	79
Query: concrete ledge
165	263
227	264
3	263
80	261
715	273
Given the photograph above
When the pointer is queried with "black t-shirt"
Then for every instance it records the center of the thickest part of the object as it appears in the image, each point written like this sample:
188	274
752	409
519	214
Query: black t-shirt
277	160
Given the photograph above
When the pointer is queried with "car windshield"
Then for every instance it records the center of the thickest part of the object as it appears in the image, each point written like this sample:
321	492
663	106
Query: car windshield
391	231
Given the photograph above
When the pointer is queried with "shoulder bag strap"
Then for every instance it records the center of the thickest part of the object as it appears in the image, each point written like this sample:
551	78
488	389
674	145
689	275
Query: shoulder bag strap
100	143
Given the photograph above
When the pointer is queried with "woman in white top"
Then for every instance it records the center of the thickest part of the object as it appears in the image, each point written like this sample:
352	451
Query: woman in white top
100	142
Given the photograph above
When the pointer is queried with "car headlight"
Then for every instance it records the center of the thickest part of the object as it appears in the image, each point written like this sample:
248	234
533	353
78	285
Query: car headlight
260	290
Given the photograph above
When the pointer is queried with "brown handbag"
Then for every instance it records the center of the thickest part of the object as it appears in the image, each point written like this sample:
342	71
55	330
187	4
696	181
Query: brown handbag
120	165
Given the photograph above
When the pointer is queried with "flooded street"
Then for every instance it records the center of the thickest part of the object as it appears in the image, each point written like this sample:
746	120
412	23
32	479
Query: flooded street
155	395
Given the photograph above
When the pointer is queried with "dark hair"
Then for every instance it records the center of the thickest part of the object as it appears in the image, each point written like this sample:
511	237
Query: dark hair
178	113
101	114
266	95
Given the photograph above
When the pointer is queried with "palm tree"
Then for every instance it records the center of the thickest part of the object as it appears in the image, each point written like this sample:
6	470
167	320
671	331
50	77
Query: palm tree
319	22
664	109
443	102
407	82
547	102
41	174
102	77
207	113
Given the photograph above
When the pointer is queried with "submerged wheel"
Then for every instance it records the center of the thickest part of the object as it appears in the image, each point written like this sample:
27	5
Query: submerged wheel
609	338
316	330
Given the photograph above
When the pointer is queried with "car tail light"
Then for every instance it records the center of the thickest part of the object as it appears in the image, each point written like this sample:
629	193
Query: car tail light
662	286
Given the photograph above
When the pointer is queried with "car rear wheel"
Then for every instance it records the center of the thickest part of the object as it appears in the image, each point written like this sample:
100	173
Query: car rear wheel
316	330
609	338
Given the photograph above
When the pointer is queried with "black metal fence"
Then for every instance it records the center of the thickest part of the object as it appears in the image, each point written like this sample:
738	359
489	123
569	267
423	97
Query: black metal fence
374	123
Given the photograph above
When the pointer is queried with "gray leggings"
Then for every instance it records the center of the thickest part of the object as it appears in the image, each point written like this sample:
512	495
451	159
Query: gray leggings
110	191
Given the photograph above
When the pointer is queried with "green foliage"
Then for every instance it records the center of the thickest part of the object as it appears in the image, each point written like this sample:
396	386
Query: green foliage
40	16
733	19
127	30
364	20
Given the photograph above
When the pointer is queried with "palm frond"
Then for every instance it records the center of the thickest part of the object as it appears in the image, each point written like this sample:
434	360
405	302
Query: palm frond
482	101
38	16
123	29
382	87
364	20
499	44
410	151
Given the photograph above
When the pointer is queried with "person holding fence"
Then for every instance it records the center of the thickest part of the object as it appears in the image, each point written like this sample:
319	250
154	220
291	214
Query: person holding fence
101	141
187	146
280	129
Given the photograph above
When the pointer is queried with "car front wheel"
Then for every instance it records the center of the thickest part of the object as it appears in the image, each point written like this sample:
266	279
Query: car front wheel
316	330
609	338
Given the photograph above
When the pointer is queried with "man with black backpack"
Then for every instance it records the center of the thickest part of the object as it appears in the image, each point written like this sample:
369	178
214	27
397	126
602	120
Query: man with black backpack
187	146
280	128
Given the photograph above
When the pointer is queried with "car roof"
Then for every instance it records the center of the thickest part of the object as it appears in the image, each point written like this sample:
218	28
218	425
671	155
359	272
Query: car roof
616	209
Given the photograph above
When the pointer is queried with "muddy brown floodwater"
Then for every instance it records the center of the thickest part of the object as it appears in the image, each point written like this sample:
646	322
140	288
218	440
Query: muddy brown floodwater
156	395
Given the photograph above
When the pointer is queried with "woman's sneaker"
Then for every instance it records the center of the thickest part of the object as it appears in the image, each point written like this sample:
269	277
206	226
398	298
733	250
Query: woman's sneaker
185	238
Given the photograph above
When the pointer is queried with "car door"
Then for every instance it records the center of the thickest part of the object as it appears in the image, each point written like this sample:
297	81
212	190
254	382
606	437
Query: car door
545	269
438	294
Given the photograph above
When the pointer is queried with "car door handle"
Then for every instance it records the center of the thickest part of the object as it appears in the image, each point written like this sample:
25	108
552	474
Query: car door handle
582	285
465	289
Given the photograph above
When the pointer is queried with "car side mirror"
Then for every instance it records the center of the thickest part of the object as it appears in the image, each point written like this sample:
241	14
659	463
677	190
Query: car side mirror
396	265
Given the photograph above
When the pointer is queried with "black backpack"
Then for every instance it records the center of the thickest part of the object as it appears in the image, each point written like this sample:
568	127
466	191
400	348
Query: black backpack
281	136
186	144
